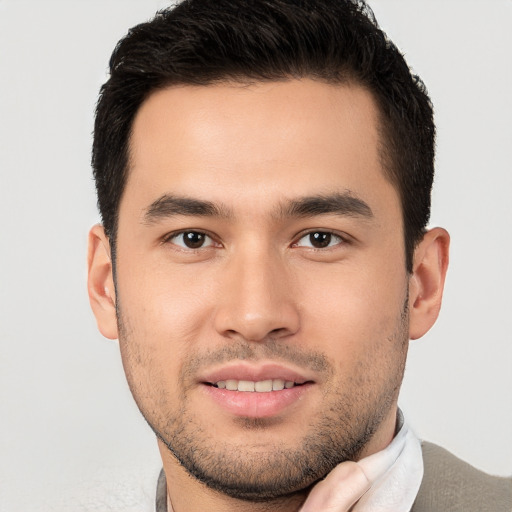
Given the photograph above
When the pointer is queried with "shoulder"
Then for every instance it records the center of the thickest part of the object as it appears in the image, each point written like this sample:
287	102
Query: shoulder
451	485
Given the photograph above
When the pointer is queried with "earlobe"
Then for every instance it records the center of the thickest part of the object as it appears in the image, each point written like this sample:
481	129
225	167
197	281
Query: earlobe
100	282
427	281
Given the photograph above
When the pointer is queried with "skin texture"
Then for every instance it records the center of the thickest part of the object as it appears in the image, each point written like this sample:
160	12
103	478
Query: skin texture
257	292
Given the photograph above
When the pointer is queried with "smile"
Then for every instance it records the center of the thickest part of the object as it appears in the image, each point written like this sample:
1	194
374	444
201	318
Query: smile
260	390
261	386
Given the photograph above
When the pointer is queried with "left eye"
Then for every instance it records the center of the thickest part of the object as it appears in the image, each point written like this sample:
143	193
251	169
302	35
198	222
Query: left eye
319	240
191	240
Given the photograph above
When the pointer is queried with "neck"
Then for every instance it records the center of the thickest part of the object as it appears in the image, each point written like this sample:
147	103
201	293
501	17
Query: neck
233	505
384	435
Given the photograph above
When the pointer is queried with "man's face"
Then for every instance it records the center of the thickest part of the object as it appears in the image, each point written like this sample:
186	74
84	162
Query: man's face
260	246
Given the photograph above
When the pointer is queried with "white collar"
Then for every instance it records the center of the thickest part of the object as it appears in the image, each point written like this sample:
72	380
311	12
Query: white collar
396	474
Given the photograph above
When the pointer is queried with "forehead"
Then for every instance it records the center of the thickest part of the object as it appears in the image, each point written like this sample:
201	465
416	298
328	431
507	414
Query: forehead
251	143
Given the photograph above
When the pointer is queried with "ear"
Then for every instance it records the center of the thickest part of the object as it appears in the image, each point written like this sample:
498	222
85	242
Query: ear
426	283
100	282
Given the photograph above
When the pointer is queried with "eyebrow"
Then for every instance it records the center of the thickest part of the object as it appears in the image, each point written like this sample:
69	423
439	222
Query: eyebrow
170	206
344	204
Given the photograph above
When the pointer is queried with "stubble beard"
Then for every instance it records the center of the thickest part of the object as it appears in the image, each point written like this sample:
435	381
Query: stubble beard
352	417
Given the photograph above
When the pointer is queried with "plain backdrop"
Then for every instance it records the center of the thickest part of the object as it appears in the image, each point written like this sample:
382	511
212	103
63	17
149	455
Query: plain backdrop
71	438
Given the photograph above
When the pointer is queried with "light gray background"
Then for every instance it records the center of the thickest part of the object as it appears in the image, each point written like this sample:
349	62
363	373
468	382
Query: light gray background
70	436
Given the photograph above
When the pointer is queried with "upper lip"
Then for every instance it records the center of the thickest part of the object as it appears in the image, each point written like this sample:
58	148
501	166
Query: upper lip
254	372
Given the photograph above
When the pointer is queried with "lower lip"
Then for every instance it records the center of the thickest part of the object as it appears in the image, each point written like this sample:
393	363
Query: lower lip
256	405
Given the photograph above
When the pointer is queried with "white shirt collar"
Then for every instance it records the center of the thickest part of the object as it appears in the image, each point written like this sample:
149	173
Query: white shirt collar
396	474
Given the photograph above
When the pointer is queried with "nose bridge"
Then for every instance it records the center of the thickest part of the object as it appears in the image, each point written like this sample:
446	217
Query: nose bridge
257	301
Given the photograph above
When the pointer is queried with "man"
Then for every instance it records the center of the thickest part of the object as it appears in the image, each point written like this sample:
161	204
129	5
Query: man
263	172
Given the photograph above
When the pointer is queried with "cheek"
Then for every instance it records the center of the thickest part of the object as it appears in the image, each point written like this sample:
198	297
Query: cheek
350	309
162	317
163	305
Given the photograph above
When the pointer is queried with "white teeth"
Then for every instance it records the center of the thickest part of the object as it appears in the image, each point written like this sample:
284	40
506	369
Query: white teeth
245	385
277	384
232	385
262	386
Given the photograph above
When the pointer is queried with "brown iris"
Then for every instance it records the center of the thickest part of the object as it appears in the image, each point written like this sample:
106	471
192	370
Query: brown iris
193	239
320	239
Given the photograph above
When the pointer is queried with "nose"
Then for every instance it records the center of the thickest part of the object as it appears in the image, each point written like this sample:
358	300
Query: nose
257	302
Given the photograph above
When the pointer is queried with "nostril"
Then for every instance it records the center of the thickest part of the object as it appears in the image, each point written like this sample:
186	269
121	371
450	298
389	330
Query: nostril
276	332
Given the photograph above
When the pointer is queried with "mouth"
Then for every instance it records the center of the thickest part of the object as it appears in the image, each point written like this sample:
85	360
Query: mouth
260	386
248	391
